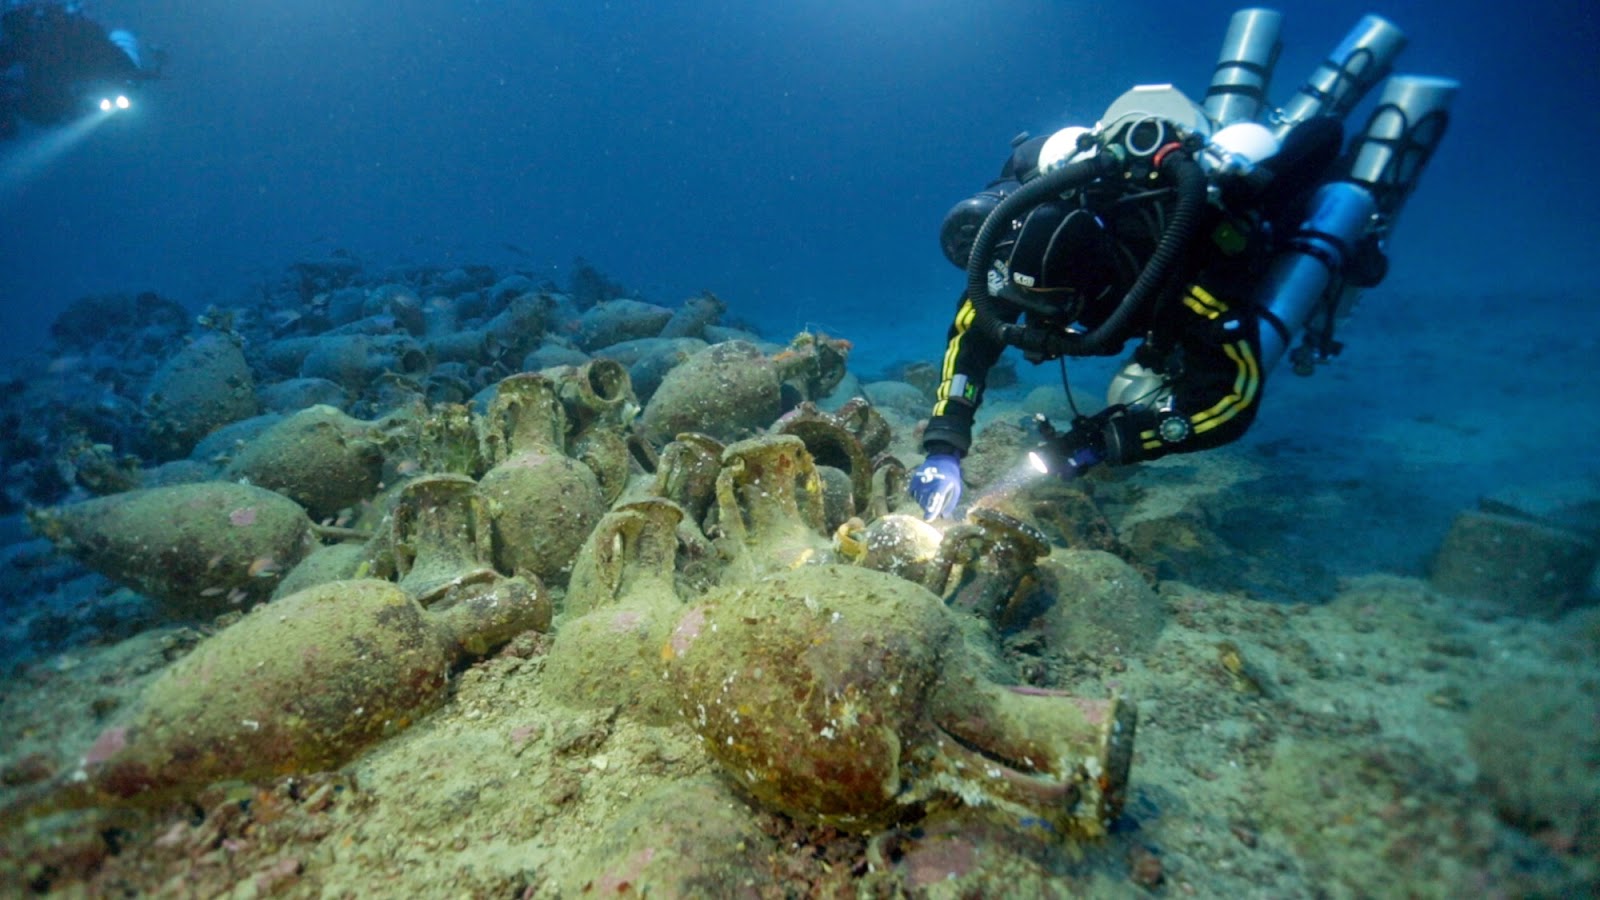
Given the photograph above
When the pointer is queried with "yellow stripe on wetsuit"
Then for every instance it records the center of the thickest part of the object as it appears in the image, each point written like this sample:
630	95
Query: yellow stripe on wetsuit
1245	385
1199	300
1247	379
1246	382
947	371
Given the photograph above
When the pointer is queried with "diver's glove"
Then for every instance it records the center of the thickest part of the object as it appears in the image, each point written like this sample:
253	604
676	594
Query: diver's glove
936	484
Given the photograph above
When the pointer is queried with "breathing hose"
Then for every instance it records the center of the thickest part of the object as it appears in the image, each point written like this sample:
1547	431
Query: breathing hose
1190	184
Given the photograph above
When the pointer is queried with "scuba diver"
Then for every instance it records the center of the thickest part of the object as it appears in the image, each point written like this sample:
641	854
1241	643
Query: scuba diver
56	64
1213	235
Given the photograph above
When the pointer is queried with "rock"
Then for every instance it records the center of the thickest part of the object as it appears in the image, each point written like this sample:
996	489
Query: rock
1538	756
90	320
1522	566
1572	505
898	396
1051	401
849	388
998	454
1098	606
204	387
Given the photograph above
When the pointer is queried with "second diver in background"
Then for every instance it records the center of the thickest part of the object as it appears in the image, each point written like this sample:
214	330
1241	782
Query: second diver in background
56	64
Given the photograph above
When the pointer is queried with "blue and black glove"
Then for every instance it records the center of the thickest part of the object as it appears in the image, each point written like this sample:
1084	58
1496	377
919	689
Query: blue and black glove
936	484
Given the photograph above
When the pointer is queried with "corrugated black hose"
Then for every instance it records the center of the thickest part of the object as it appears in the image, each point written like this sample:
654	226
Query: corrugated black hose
1190	186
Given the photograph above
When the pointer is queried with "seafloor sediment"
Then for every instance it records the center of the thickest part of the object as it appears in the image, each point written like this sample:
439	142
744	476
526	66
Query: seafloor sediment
1307	727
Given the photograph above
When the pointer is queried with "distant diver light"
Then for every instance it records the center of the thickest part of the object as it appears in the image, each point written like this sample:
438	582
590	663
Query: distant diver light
110	104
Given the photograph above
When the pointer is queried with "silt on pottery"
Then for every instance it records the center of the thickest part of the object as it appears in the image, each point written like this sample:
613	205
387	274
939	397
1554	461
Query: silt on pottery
319	457
769	506
354	361
299	686
542	503
847	697
439	534
621	602
205	386
830	443
686	473
197	550
728	391
598	400
613	321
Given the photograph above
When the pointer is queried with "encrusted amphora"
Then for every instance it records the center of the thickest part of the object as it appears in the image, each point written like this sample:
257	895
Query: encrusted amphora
439	536
622	600
600	407
847	696
197	550
768	506
298	685
542	503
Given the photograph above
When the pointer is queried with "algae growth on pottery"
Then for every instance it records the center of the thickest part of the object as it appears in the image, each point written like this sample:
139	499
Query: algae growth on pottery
477	626
844	696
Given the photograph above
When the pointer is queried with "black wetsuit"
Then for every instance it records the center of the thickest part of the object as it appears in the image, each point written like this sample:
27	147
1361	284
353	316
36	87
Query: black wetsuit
1204	337
49	59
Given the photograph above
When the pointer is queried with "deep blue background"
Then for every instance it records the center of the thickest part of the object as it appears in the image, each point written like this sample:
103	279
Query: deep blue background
796	158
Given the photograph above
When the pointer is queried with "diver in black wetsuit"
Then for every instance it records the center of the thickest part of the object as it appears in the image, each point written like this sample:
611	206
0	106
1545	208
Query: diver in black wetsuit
56	64
1212	235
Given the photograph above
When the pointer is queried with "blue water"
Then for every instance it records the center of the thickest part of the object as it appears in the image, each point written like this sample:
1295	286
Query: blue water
794	158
